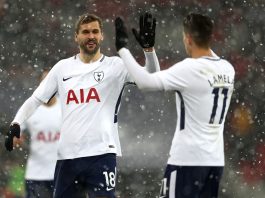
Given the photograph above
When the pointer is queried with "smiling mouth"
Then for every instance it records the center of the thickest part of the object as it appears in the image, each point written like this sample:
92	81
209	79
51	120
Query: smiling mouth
91	44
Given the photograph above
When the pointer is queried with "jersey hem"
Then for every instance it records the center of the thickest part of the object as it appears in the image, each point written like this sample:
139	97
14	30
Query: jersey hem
175	163
88	155
39	179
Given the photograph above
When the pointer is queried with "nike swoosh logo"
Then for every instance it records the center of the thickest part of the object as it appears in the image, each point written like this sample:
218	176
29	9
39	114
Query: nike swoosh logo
65	79
109	189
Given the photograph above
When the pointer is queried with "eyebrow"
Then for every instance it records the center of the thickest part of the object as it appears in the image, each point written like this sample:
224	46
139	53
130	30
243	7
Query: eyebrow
94	29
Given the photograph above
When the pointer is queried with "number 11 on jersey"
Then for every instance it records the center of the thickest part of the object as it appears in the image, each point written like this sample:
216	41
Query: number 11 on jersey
215	104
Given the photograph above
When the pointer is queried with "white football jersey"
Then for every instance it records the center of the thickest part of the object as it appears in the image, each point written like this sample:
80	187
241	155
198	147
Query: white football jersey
44	130
90	95
203	88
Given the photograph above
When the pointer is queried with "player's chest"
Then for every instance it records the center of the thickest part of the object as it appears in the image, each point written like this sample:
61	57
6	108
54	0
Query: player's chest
87	85
85	78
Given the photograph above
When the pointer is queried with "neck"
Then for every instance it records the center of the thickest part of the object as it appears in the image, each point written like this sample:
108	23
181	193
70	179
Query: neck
199	52
89	58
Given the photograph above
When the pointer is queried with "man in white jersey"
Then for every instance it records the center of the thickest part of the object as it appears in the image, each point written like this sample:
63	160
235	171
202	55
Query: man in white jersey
203	85
89	85
43	128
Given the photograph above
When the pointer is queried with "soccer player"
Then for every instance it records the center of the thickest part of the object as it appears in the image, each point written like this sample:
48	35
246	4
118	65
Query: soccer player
90	86
43	128
203	86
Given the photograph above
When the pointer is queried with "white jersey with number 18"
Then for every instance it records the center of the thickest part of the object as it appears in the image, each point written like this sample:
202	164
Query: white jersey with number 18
89	95
203	88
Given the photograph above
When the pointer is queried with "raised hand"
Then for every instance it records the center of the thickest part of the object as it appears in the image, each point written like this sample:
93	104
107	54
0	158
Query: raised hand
121	34
146	34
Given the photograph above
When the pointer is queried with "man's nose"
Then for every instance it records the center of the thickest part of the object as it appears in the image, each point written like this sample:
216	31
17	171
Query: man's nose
90	35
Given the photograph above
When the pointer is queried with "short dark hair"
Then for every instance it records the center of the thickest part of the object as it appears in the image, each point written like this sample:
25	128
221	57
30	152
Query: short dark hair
200	27
87	18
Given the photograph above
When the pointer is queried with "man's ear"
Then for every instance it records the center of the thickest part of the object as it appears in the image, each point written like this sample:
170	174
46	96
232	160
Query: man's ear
102	37
189	39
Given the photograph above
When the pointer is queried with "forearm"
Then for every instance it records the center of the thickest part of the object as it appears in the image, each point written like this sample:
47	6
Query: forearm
151	61
143	79
26	110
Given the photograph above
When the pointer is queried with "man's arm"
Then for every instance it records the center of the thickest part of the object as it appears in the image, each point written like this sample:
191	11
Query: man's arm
174	78
142	78
42	94
151	61
26	110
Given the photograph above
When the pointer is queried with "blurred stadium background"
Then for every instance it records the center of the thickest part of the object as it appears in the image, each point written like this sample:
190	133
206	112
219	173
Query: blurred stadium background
35	34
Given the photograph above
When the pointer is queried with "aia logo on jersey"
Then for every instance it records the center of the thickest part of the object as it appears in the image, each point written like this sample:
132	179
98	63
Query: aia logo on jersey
48	137
98	76
82	96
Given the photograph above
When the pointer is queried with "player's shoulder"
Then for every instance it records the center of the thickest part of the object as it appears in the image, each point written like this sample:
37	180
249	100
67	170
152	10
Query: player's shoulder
201	60
182	67
228	64
206	61
113	60
188	61
63	62
185	63
67	60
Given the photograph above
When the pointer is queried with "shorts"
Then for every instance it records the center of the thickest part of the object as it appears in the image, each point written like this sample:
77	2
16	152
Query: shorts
39	189
191	182
94	176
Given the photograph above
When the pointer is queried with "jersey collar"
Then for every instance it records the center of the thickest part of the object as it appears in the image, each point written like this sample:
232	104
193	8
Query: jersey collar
99	60
212	58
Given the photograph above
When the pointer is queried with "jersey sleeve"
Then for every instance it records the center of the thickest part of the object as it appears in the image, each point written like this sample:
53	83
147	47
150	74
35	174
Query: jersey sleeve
176	77
48	87
151	66
26	110
24	128
151	62
120	71
142	78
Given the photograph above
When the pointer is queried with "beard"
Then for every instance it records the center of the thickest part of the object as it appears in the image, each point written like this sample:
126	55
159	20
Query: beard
86	49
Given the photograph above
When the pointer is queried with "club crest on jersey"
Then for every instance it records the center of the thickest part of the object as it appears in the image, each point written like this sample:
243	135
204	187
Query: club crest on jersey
98	76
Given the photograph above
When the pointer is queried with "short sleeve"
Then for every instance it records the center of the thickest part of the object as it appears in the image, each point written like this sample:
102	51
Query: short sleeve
48	87
176	77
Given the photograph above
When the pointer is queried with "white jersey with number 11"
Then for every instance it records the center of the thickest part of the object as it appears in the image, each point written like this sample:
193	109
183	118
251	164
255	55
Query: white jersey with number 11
203	88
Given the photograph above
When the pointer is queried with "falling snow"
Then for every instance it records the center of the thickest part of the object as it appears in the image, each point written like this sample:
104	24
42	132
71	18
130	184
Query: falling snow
37	34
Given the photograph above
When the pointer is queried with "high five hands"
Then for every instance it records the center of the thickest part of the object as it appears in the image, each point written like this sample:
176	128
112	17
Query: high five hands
145	36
